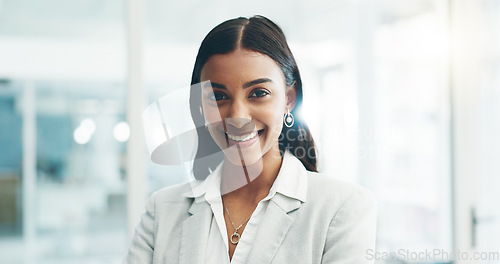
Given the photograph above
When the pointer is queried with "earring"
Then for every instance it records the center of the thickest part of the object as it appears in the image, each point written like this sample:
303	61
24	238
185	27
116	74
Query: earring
288	119
206	124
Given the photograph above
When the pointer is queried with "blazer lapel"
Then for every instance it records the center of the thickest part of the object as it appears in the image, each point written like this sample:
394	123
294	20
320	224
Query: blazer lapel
273	228
194	235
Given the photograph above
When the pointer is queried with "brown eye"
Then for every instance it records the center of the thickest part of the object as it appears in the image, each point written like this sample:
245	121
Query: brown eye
217	96
259	93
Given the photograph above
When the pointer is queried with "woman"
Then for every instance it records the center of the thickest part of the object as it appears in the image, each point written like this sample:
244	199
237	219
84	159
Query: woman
259	198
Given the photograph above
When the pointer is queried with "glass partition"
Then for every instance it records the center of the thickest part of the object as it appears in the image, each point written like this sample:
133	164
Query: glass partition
62	132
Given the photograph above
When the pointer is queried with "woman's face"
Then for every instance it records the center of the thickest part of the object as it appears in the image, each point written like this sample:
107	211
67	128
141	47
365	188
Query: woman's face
244	103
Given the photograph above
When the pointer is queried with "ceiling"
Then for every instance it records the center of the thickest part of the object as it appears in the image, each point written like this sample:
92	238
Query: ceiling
41	38
174	21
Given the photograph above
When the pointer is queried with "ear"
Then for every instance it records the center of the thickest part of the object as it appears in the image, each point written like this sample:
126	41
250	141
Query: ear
291	97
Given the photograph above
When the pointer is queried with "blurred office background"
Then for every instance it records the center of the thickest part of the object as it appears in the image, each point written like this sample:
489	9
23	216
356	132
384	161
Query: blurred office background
402	97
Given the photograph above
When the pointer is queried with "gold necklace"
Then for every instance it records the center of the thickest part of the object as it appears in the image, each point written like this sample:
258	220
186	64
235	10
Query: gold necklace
235	233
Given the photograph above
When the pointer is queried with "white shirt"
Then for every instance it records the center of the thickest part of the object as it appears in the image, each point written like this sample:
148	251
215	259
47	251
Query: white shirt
209	191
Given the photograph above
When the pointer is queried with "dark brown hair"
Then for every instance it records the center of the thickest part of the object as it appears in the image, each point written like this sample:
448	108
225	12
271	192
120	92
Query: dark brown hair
264	36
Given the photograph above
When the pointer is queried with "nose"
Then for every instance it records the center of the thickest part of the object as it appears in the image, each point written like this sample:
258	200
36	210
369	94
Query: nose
239	116
239	126
237	122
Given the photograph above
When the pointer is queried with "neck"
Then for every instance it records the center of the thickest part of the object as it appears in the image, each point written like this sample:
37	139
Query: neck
250	183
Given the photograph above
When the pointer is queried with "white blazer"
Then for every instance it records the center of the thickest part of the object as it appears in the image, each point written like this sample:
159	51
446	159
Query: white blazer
335	223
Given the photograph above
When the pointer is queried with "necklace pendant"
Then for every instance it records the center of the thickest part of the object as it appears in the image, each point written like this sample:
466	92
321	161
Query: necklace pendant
237	238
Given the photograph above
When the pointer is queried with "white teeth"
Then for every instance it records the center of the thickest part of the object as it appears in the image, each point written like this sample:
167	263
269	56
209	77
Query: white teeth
242	138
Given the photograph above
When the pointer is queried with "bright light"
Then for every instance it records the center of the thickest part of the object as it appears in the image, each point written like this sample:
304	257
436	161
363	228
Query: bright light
84	131
82	135
309	113
121	131
89	124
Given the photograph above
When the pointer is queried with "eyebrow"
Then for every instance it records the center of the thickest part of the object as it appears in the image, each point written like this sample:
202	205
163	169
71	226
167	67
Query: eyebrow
245	85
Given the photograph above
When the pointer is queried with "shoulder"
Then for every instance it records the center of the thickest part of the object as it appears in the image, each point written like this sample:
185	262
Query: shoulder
335	193
170	203
347	213
173	193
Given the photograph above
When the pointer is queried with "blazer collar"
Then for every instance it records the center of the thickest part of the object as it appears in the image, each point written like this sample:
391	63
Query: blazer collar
271	232
194	234
291	181
291	191
270	235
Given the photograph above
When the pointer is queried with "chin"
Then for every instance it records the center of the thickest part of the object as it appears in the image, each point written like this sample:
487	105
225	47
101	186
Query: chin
243	157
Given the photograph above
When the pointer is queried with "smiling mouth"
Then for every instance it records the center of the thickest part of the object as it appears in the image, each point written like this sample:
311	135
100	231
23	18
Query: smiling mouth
245	137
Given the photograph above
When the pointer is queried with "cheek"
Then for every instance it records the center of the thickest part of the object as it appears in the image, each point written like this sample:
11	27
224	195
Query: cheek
212	116
211	113
274	120
277	125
